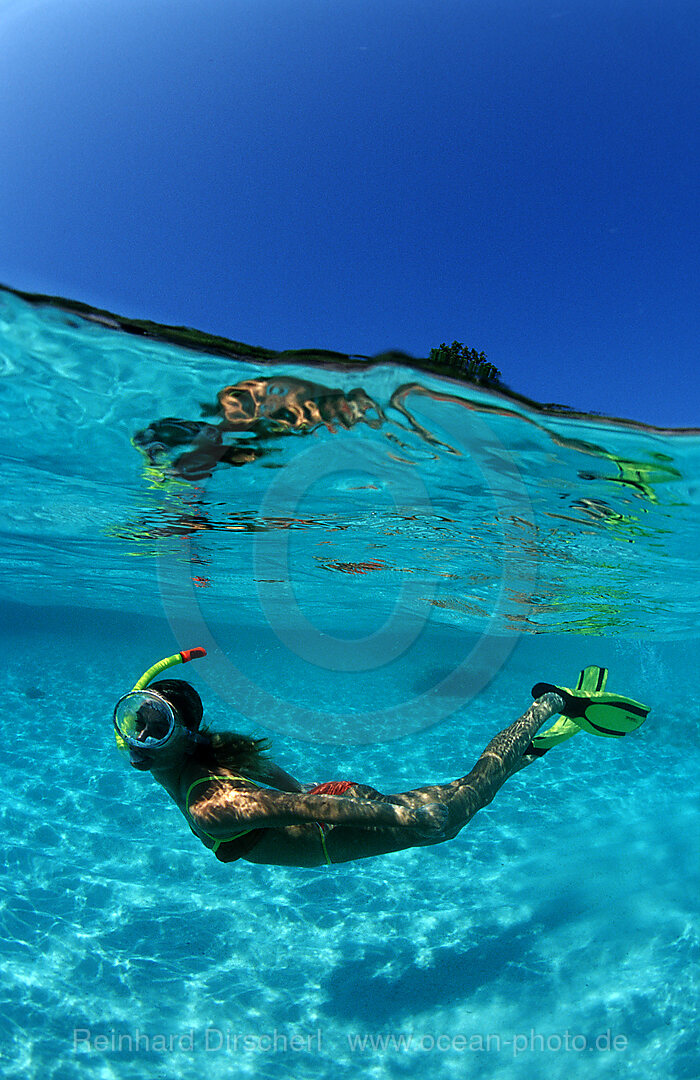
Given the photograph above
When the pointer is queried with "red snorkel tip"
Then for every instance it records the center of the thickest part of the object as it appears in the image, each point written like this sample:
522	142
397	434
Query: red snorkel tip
193	654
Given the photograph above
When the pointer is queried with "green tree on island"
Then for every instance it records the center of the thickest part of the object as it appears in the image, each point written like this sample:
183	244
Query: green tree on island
468	363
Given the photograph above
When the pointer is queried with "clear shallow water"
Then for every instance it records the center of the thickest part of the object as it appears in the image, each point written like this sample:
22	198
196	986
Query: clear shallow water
379	598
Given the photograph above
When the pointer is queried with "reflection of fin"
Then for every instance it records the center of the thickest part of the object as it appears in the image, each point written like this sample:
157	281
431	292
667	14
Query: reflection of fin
591	679
639	476
609	715
635	476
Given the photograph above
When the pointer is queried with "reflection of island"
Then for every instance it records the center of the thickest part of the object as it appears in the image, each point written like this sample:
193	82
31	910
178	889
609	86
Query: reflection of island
448	363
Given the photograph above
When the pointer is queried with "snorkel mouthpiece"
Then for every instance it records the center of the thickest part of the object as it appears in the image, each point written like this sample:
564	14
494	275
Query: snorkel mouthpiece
126	718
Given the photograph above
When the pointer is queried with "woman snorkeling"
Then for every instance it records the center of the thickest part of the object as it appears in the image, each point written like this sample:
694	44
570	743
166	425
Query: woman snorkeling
243	806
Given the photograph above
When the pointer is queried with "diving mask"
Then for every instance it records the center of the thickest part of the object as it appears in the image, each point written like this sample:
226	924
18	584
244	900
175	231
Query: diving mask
143	719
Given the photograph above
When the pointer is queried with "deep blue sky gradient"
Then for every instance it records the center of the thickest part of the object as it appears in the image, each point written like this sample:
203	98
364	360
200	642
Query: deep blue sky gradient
355	175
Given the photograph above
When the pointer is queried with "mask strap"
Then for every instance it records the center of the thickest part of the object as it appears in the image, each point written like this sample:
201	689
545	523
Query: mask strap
198	738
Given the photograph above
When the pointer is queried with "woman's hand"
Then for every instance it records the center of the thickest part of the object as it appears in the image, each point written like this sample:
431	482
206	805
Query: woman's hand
432	820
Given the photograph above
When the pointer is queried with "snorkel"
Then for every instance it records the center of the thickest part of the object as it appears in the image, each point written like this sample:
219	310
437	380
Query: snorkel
143	720
183	657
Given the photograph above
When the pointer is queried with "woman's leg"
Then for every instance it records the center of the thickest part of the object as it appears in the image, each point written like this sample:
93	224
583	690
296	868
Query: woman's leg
300	845
503	757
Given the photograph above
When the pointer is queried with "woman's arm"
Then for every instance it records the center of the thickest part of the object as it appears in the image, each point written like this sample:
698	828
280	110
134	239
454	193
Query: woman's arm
272	774
227	810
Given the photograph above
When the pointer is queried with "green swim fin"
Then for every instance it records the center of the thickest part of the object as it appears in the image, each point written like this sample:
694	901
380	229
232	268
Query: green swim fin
609	715
591	679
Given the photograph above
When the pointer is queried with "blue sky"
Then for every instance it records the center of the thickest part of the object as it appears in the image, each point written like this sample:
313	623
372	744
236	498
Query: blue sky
519	175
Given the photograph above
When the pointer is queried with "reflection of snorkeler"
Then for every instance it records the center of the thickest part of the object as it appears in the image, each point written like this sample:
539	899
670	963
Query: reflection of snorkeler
257	410
251	411
243	806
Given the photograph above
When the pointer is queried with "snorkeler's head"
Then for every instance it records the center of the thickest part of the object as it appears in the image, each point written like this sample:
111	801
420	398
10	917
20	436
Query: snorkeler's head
163	717
150	719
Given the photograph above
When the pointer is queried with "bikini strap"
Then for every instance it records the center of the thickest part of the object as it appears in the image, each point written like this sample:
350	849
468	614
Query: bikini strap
322	834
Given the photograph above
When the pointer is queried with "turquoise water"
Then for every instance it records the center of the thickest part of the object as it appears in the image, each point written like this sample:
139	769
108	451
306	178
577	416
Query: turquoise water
378	590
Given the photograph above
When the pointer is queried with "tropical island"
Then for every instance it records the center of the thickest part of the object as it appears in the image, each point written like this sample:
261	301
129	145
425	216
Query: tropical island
455	361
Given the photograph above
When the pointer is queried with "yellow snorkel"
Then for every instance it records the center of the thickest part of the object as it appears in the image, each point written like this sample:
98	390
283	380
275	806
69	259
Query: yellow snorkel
183	657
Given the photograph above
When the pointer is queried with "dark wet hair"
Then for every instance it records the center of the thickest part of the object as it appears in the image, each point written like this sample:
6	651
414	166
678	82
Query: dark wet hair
213	750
